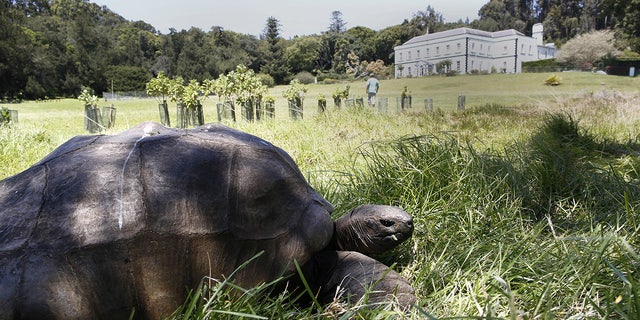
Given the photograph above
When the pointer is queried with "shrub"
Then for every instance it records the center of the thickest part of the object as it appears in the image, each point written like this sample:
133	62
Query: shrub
586	49
331	75
305	77
541	65
295	90
266	79
127	78
330	81
5	115
341	93
553	81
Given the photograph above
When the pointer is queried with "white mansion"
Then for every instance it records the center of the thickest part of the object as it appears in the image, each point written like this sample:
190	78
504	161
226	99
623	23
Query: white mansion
470	50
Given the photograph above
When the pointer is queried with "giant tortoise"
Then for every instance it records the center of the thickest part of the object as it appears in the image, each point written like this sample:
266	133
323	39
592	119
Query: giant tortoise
106	224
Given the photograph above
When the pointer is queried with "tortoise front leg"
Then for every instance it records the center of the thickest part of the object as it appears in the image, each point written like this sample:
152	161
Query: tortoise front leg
353	276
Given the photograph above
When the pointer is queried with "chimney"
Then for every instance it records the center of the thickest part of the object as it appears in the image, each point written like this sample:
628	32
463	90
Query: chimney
537	33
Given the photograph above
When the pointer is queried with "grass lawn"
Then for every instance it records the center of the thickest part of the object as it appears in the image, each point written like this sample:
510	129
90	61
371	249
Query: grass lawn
55	121
525	203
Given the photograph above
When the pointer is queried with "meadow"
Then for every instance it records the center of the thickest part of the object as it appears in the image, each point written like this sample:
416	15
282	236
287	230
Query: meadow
525	203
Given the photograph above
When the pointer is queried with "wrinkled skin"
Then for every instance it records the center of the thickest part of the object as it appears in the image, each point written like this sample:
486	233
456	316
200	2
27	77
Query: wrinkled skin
344	268
372	229
106	224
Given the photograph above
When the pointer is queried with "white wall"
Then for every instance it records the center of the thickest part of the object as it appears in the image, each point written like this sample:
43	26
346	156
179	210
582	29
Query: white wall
469	50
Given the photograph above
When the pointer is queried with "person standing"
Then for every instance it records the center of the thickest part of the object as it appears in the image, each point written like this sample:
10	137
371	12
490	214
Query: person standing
372	90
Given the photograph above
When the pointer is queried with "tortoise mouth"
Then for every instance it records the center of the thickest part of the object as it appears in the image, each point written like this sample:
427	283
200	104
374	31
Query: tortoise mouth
396	237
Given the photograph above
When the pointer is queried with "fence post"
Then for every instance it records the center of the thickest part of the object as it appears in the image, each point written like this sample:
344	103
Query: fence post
461	101
428	105
247	109
8	115
109	116
198	115
383	105
163	109
406	102
322	106
295	108
92	119
182	116
259	110
337	102
270	109
349	103
225	111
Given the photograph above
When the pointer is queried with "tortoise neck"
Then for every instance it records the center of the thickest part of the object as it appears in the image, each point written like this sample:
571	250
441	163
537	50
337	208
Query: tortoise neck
345	237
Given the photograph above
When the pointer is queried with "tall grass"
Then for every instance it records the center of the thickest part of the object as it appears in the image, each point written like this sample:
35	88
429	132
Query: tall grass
529	232
525	203
543	228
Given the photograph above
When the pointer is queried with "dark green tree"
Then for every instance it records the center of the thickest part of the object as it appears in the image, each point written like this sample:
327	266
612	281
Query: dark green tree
191	62
337	25
427	21
624	16
341	54
127	78
362	41
302	54
13	46
230	49
274	52
506	14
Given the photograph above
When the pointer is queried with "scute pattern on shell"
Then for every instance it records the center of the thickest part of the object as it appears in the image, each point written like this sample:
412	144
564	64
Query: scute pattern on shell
136	217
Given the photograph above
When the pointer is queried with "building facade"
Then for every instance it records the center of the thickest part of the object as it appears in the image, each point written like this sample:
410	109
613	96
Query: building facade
466	50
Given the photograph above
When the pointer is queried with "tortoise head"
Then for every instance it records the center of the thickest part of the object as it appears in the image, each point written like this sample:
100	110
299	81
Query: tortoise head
372	229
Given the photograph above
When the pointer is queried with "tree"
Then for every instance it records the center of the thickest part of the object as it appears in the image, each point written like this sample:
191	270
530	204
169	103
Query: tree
126	78
241	86
390	37
362	42
337	25
427	21
14	42
274	52
302	54
228	49
624	15
192	60
159	87
507	14
340	56
585	50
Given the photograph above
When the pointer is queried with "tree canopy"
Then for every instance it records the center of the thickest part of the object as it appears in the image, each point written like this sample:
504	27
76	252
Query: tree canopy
55	48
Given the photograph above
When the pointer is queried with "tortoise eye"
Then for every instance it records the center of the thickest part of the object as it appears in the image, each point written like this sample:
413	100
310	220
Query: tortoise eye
386	223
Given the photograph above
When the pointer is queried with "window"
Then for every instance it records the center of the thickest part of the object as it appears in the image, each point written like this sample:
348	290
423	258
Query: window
409	55
399	56
448	48
418	53
437	50
427	52
458	65
458	46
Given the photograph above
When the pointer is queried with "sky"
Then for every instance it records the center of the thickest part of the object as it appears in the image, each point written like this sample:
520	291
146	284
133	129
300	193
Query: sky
296	17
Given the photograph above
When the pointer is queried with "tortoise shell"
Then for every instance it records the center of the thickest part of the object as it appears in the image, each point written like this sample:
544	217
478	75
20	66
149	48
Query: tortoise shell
108	223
